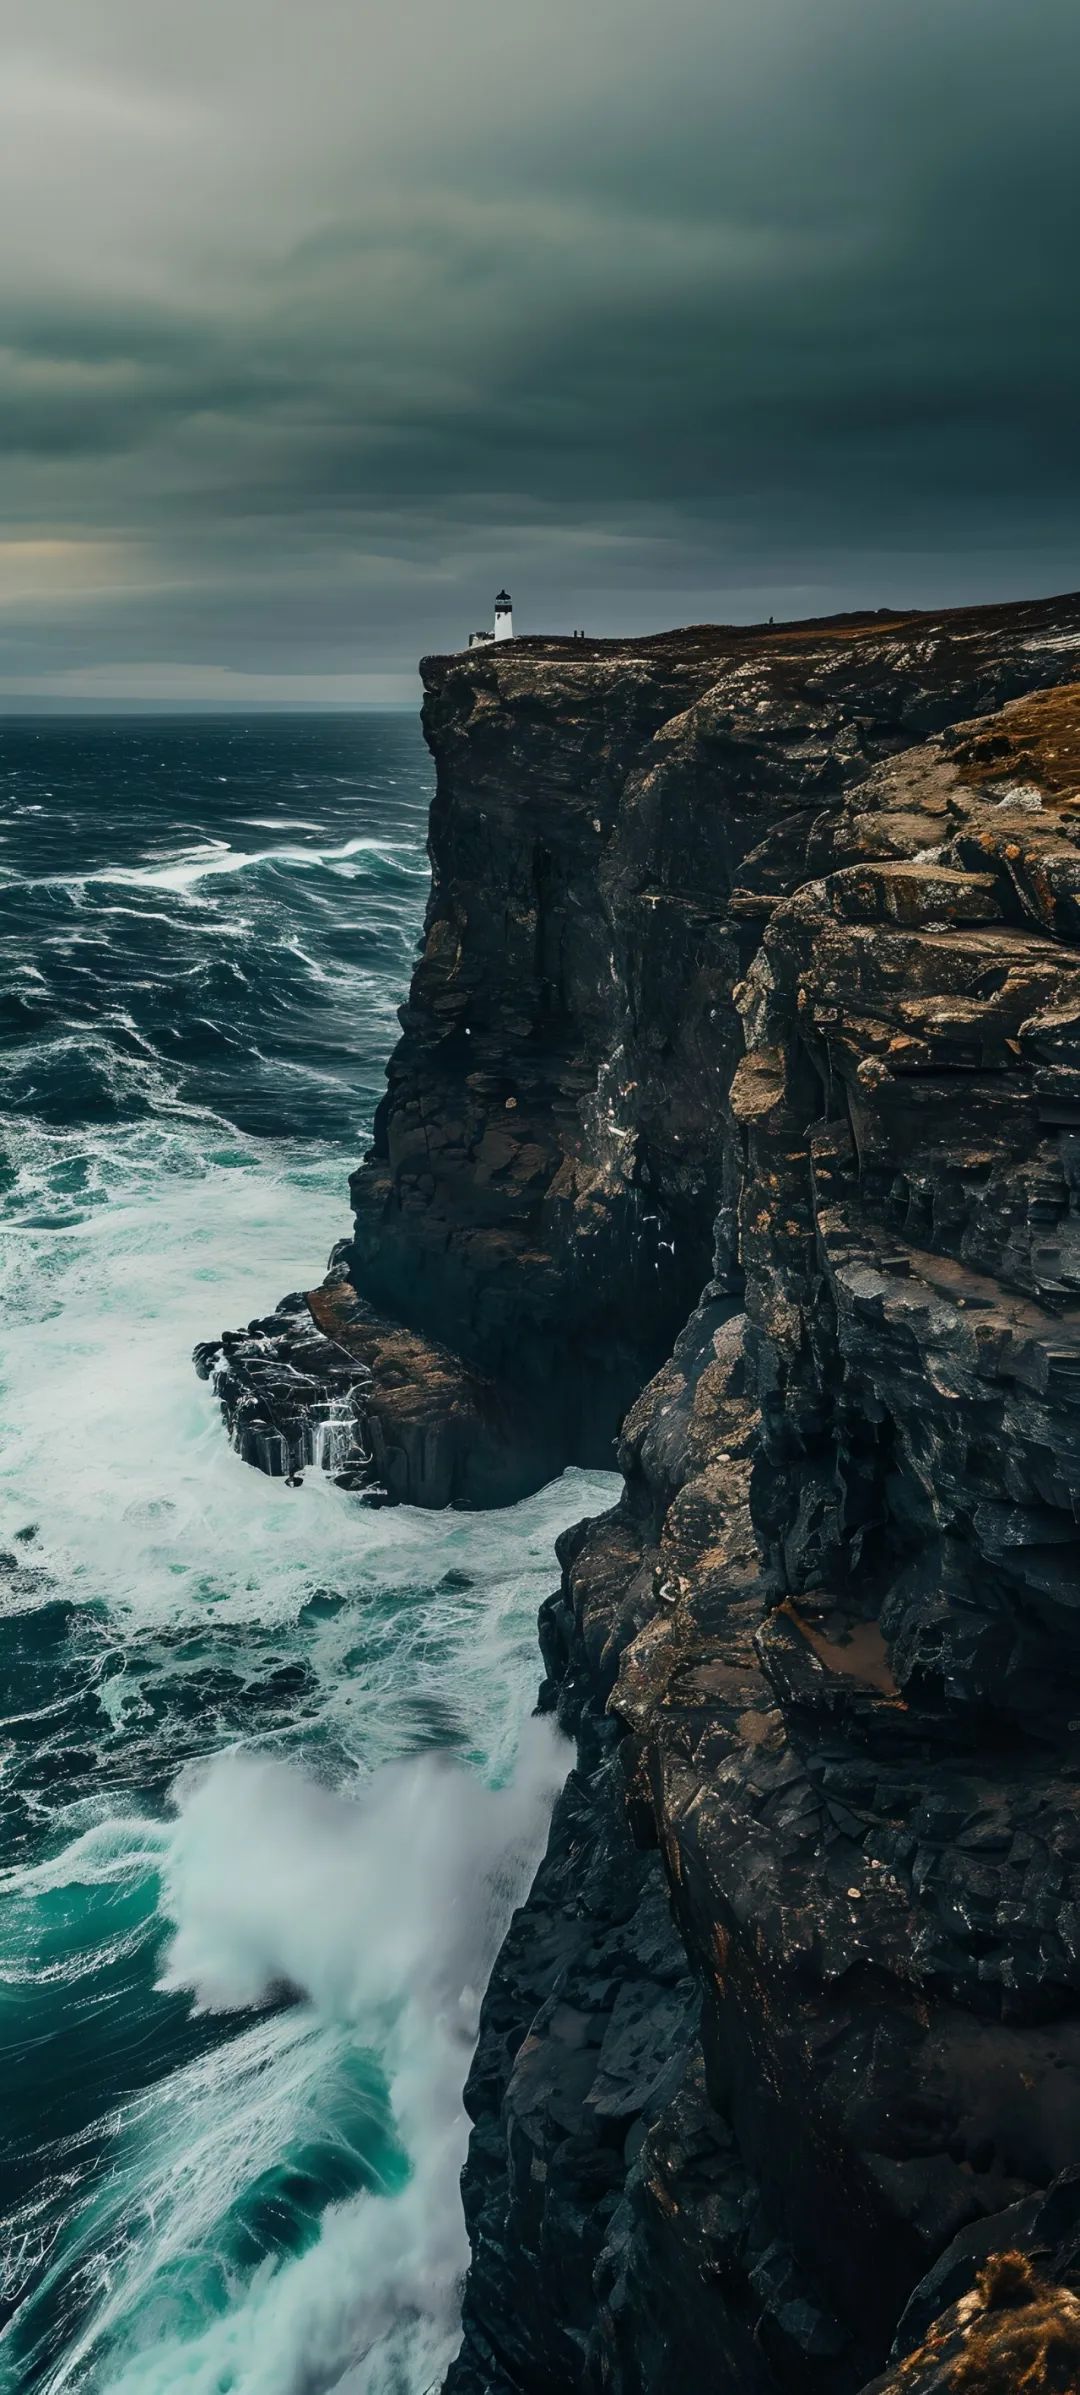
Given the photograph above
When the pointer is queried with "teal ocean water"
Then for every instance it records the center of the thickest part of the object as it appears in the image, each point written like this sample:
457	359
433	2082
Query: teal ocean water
269	1786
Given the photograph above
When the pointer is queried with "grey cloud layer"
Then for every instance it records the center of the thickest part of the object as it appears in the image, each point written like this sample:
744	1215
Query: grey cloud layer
319	320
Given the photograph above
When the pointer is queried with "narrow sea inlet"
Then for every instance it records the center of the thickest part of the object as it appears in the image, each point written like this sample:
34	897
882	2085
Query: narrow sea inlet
270	1787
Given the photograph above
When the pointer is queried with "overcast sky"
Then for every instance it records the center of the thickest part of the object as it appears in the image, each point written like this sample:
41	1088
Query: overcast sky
322	318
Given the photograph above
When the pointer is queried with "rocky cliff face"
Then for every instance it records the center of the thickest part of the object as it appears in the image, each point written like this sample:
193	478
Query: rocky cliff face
738	1108
555	1173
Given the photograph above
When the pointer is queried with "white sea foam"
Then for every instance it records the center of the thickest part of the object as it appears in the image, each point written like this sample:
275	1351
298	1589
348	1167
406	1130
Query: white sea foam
183	873
185	1233
279	823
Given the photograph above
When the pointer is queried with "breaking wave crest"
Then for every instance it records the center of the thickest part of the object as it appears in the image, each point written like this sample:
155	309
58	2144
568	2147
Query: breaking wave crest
186	871
284	2218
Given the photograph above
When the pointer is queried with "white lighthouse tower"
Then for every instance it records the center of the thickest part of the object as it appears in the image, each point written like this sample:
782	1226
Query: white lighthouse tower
504	623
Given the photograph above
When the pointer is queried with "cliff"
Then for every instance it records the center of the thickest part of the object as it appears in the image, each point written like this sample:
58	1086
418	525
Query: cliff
737	1112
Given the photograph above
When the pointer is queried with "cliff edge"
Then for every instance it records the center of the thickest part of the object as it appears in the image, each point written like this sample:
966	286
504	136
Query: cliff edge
737	1115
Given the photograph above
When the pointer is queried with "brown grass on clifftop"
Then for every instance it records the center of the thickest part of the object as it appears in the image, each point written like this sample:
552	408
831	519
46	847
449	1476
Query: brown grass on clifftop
1034	739
1018	2336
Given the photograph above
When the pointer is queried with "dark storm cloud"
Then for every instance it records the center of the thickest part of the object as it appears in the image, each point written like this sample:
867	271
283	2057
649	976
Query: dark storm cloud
320	322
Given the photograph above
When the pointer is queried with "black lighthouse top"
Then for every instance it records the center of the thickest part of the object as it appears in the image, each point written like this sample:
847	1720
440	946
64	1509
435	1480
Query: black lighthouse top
503	599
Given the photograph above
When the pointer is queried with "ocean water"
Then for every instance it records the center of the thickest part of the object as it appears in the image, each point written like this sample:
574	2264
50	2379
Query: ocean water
269	1786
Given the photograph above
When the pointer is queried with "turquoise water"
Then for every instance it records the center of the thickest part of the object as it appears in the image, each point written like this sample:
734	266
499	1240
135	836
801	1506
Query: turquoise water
269	1786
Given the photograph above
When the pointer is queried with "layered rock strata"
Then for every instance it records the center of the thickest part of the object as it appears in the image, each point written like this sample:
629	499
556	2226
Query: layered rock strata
747	1034
829	1631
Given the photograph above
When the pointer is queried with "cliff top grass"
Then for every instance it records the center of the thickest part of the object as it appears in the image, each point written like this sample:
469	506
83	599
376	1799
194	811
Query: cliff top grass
1035	739
691	641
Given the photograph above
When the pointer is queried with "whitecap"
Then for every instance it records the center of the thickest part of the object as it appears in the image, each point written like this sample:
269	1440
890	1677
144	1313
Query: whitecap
279	823
190	868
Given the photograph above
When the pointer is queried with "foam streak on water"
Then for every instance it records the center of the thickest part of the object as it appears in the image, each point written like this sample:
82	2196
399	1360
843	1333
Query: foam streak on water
270	1789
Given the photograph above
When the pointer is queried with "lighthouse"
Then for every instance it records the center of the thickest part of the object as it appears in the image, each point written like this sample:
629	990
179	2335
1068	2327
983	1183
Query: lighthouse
504	623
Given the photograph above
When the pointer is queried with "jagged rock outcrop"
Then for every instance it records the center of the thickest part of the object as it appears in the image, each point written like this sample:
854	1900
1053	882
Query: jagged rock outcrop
328	1381
747	1035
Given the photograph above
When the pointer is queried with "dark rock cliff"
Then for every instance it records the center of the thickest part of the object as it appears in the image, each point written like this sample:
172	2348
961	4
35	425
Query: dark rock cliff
737	1110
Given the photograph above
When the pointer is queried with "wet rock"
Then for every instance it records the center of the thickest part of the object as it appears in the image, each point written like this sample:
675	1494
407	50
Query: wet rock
327	1383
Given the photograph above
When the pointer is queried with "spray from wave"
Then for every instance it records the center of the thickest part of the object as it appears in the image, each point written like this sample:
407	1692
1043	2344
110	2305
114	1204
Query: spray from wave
380	1914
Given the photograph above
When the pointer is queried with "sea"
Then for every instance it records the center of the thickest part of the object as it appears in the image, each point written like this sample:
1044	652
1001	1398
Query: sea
270	1781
